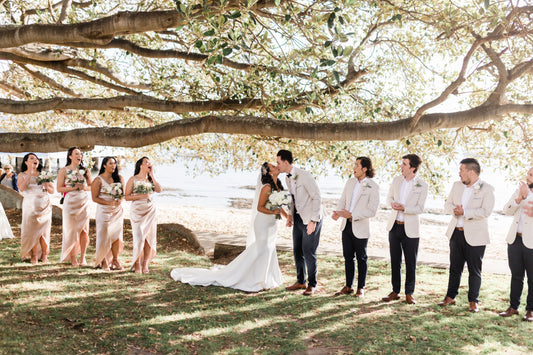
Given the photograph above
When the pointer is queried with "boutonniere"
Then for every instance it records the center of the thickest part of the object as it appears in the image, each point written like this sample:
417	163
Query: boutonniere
478	187
418	184
294	177
366	184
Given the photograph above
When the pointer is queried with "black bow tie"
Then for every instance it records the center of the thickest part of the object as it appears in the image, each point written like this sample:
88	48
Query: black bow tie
289	175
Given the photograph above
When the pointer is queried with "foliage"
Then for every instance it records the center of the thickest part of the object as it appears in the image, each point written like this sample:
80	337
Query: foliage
312	62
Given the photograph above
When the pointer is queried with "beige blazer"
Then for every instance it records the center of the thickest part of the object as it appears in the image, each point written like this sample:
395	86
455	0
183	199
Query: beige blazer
413	206
476	212
306	196
366	206
512	209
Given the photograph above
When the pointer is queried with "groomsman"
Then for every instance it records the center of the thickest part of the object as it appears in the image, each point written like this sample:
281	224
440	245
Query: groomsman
470	203
520	248
407	196
306	220
359	202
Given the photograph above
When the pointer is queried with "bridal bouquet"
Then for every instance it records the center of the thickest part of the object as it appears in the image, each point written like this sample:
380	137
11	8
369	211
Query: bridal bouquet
114	190
143	187
278	199
45	176
75	177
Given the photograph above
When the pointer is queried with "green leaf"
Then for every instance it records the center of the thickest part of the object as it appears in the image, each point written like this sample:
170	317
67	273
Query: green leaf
487	4
408	142
219	58
199	44
227	51
439	143
209	33
308	110
236	14
287	18
331	19
336	76
327	44
277	2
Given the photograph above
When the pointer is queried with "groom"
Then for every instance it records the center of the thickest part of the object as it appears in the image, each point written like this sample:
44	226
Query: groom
306	220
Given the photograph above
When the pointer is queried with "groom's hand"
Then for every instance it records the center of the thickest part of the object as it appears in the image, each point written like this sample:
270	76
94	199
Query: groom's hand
311	227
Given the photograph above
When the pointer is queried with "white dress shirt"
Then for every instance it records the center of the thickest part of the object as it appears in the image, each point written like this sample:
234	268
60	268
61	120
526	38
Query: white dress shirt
523	212
467	193
405	189
356	192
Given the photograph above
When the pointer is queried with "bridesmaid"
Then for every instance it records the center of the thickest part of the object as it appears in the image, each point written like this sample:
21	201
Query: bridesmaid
139	189
36	211
74	180
109	215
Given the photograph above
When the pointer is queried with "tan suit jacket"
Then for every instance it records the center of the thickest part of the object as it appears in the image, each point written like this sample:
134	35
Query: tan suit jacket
306	196
414	205
476	212
366	206
512	209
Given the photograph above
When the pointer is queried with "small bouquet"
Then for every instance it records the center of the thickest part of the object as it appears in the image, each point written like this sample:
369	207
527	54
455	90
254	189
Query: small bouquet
278	199
143	187
75	177
114	190
45	176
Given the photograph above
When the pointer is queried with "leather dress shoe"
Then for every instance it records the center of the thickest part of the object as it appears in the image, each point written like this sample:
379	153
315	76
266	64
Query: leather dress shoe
447	301
509	312
295	286
309	291
529	316
345	291
473	307
410	299
360	292
393	296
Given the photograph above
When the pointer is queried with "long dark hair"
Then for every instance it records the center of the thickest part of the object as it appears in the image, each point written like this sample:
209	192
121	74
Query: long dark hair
69	161
138	168
266	178
366	163
115	176
24	167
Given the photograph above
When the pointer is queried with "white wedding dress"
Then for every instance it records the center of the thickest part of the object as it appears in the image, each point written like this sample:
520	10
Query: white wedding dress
5	228
255	269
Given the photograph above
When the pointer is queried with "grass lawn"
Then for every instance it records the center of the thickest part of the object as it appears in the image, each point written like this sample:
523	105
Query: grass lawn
59	309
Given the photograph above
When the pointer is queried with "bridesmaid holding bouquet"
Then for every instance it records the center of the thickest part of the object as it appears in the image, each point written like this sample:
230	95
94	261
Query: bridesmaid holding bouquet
74	180
139	190
107	192
35	184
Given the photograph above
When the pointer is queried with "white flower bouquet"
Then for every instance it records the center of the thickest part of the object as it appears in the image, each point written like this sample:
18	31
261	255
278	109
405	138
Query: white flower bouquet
278	199
114	190
45	176
74	177
143	187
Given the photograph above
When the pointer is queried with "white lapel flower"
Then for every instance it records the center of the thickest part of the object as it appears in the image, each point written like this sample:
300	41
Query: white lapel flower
366	185
477	187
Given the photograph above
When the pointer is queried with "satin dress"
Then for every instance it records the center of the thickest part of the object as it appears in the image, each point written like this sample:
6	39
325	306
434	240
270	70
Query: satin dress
75	221
109	227
254	270
143	226
36	219
5	228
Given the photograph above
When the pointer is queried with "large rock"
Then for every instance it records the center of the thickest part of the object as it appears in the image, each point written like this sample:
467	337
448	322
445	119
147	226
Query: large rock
12	199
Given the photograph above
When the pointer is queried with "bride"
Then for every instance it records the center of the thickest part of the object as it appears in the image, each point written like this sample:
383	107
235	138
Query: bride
256	268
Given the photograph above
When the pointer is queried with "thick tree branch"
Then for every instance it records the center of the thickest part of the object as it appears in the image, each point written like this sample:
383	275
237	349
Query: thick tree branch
251	125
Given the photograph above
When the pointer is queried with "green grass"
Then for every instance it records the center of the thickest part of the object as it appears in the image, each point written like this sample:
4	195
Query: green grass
63	310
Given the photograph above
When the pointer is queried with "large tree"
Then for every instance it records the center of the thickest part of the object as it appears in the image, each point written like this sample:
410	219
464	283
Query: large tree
329	79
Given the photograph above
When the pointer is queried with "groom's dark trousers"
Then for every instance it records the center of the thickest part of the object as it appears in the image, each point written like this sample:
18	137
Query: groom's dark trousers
304	248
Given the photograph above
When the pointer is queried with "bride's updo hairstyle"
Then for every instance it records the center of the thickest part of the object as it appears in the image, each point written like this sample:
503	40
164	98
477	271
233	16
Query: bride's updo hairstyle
266	178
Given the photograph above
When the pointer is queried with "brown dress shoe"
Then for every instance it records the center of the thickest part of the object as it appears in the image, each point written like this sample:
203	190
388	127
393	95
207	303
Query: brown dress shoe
393	296
410	299
447	301
473	307
529	316
345	291
509	312
360	292
295	286
309	291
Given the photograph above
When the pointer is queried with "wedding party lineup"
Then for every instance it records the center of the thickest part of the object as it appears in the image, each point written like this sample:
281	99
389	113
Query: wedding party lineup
288	193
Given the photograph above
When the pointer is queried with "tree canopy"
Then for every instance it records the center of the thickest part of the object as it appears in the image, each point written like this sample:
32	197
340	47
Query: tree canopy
229	80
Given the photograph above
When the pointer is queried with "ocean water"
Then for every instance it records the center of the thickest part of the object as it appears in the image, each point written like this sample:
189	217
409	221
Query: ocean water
182	187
